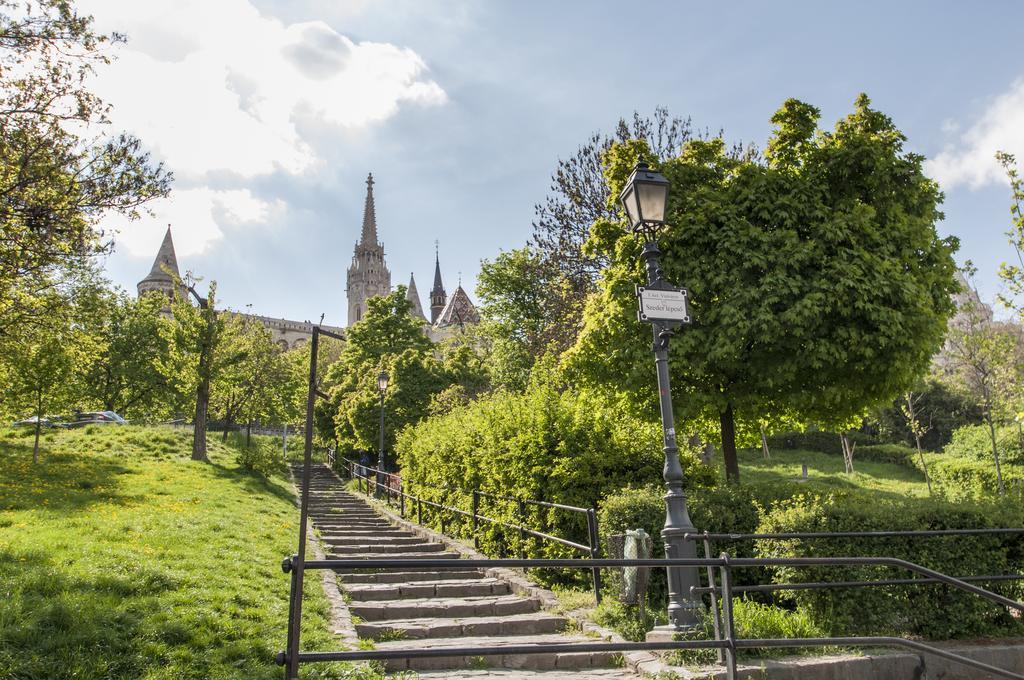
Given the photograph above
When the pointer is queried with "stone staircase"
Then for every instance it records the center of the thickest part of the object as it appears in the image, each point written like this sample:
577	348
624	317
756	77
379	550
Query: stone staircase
436	608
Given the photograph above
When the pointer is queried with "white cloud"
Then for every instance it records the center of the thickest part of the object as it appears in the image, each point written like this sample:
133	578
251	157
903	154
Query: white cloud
971	159
196	216
215	87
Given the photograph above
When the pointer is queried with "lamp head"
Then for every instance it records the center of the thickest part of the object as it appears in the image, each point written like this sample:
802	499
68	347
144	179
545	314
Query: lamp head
645	198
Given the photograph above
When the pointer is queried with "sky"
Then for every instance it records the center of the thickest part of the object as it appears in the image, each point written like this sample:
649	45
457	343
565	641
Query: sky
271	113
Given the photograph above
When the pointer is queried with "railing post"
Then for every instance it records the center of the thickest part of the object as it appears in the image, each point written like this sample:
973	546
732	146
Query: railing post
595	550
522	523
401	500
476	520
727	618
440	511
716	615
292	593
419	511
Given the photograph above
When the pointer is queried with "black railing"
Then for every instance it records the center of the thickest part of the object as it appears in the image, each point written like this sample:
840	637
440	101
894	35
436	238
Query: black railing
394	492
728	642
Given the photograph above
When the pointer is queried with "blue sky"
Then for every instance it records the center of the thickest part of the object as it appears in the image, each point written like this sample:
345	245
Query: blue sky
272	112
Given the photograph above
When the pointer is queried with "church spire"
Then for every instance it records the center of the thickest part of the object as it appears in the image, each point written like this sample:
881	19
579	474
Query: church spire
438	297
369	216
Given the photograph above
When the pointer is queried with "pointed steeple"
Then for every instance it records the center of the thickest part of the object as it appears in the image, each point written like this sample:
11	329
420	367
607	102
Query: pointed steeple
438	297
164	256
413	296
369	236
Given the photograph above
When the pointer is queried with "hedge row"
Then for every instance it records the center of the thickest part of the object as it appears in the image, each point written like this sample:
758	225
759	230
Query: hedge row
545	444
816	440
928	610
975	442
932	611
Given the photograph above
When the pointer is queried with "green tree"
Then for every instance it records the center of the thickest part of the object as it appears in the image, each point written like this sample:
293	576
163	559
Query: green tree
818	284
256	384
43	367
123	374
60	168
199	354
982	355
1013	274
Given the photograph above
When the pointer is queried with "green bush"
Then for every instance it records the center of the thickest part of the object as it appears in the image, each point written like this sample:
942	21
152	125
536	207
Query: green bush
932	611
816	440
897	454
975	442
544	444
262	455
966	480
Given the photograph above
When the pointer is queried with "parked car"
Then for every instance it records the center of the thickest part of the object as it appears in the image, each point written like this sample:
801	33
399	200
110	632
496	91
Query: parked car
44	422
96	418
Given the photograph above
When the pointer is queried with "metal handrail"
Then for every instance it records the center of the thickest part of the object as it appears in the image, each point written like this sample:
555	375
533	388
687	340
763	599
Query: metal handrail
729	643
921	533
591	549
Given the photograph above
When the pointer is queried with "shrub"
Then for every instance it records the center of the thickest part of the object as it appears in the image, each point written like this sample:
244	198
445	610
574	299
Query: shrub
816	440
933	611
975	442
544	444
965	479
896	454
263	456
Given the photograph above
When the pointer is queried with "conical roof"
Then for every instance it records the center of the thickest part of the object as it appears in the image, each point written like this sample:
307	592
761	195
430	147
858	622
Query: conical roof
458	311
413	296
165	260
438	286
369	236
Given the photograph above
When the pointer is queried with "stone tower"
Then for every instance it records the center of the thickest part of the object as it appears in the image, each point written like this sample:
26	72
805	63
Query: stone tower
165	269
368	276
437	295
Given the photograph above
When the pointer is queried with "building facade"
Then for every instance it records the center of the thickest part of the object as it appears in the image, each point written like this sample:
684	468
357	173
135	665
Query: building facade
368	276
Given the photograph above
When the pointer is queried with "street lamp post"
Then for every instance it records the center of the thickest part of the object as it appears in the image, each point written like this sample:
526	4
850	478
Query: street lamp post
382	387
665	307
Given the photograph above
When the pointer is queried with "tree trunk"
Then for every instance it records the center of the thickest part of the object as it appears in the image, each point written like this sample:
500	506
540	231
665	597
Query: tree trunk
39	425
732	465
228	420
995	451
764	444
199	432
924	468
248	433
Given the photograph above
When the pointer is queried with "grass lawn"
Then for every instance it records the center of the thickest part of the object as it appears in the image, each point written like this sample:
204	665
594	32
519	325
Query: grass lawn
122	558
827	471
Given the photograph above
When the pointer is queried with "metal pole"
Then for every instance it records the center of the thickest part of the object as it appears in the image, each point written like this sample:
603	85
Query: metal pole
476	519
380	454
595	549
295	617
727	617
684	609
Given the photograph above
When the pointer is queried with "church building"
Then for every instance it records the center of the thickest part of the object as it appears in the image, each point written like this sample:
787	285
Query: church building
368	276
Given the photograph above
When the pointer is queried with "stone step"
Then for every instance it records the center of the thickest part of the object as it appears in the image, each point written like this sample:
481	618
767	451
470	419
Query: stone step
392	556
411	576
358	548
496	605
339	538
396	591
537	623
546	660
333	527
517	673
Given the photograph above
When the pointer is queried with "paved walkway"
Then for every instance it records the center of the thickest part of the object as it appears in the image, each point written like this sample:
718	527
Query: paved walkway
439	608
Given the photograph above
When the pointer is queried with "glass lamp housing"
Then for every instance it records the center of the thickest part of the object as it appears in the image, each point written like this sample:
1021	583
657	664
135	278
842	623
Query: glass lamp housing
382	381
644	198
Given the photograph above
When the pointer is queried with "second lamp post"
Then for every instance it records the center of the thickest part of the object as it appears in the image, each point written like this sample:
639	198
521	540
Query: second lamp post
382	387
665	307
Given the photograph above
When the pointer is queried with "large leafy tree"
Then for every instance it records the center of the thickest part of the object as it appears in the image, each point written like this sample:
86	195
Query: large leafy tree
123	374
61	169
819	286
259	382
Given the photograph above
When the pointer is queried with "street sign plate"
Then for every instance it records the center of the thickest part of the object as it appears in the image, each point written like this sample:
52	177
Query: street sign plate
663	305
